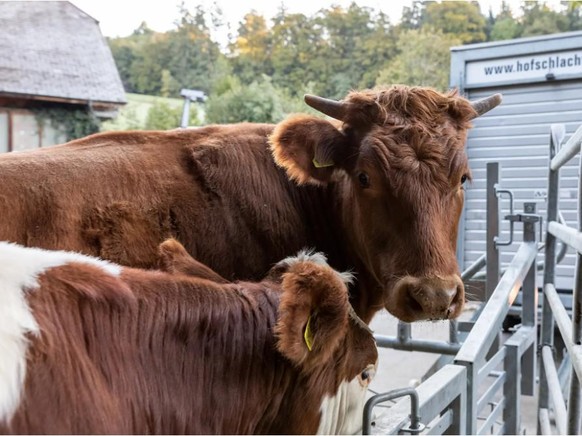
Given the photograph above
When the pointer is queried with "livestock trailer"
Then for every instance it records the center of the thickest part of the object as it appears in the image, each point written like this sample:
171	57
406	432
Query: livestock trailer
541	82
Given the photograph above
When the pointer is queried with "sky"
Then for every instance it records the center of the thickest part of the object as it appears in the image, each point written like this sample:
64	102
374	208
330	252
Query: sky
121	17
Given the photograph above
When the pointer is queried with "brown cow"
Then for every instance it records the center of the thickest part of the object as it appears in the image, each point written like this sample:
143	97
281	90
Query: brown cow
380	193
92	347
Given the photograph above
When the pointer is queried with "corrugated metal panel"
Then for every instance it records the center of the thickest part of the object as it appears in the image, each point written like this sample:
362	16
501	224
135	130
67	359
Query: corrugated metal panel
516	134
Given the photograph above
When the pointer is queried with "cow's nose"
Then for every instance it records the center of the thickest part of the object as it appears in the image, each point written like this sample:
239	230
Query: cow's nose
435	298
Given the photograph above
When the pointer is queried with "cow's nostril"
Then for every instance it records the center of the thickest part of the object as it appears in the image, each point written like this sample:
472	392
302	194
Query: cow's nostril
416	298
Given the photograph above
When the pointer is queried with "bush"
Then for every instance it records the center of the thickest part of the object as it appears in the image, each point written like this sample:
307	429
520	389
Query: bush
259	102
162	116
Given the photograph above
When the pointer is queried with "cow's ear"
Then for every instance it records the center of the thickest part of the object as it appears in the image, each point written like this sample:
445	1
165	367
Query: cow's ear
309	148
174	259
313	314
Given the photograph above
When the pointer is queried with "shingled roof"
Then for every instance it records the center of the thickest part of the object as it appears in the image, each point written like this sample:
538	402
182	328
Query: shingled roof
53	50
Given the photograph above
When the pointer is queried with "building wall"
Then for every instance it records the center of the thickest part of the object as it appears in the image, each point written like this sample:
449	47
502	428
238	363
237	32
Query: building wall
20	130
517	133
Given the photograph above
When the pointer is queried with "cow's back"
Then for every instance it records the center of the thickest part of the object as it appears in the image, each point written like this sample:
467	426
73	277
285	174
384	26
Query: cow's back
119	194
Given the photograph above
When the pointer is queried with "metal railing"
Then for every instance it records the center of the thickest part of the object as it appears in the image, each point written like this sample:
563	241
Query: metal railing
566	414
480	392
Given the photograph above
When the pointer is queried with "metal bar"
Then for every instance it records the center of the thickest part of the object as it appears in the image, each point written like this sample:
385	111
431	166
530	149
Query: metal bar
493	416
492	258
442	423
501	430
453	332
575	397
529	309
544	422
512	390
557	133
554	389
563	322
567	234
474	268
444	389
428	346
568	151
491	391
185	113
564	371
404	331
495	360
487	325
415	424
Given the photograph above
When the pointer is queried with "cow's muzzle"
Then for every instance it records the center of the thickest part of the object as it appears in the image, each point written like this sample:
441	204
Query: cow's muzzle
417	299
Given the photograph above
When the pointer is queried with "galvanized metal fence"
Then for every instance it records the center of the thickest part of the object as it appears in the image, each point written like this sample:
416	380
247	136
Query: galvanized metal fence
566	414
479	392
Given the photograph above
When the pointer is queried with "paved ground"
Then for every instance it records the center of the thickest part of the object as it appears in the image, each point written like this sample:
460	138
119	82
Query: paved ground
400	369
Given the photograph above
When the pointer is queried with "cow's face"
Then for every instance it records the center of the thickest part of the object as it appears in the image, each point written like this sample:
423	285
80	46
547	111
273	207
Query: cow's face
399	164
318	331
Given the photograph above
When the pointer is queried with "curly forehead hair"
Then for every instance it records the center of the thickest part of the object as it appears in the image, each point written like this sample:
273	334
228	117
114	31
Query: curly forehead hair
399	104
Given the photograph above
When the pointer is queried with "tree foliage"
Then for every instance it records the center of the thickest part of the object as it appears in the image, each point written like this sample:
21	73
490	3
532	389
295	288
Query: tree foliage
424	59
271	63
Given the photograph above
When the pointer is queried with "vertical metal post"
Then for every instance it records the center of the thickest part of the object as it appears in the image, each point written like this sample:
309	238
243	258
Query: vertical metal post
493	271
492	229
185	113
459	406
511	389
529	306
403	331
547	334
453	332
472	397
575	398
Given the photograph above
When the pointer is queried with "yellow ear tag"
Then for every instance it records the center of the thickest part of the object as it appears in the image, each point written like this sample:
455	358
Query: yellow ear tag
307	335
322	165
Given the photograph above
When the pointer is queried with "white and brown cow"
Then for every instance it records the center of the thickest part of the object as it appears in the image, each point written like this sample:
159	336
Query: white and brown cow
88	346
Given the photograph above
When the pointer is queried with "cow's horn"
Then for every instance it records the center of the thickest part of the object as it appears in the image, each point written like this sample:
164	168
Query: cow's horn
331	108
486	104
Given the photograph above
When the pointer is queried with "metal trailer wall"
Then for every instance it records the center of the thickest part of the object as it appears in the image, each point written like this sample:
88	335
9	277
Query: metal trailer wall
515	134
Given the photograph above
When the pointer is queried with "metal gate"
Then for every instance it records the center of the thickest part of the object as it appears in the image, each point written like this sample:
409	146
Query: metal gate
479	392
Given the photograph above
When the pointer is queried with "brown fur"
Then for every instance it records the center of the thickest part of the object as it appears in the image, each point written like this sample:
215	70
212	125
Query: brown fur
174	259
218	191
151	352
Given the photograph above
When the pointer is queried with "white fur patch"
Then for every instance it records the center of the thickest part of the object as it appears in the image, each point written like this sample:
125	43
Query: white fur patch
309	255
342	413
19	270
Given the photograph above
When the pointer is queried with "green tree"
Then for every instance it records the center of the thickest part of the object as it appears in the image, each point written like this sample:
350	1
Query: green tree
124	55
162	116
377	49
461	19
299	52
252	48
574	14
424	59
192	54
348	31
506	25
170	86
539	19
412	16
260	102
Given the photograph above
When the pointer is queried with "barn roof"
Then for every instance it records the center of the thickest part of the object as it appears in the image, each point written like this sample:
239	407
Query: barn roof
53	50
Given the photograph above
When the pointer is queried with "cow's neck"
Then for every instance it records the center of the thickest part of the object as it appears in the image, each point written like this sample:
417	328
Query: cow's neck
329	228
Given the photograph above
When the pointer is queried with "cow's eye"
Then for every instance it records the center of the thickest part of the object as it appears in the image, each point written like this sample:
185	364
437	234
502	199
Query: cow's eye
463	179
364	179
367	375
